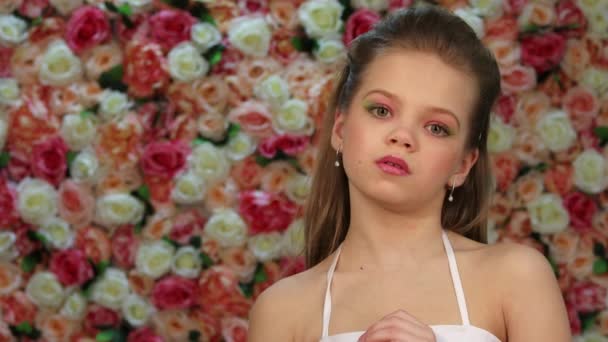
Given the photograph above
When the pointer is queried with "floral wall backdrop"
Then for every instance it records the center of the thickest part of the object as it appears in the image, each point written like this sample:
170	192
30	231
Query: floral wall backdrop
156	155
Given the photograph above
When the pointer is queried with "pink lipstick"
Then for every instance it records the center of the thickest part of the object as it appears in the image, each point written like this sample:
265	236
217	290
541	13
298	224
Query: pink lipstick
393	165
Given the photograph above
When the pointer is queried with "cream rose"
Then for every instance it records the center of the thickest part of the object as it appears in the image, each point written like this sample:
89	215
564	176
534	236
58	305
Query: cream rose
13	30
57	232
321	18
78	131
293	241
85	166
45	290
556	131
37	200
470	16
292	117
273	89
75	306
9	91
209	162
113	105
590	172
185	63
374	5
137	310
596	79
64	7
154	258
189	188
59	66
187	262
8	250
547	214
330	51
537	13
500	136
487	8
298	188
227	228
111	289
204	36
250	35
240	146
266	246
117	209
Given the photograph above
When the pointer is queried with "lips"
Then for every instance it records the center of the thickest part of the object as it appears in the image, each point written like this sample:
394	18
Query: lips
393	165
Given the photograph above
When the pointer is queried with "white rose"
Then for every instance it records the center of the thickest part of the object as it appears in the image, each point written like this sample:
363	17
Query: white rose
470	16
13	30
59	66
84	167
187	262
8	250
590	336
185	63
240	146
374	5
209	162
189	188
590	172
154	258
78	131
590	6
111	289
487	8
598	23
227	228
9	91
530	14
205	36
250	35
266	246
556	131
293	242
37	200
136	310
321	18
113	105
297	188
75	306
292	117
596	79
136	5
64	7
117	209
45	290
547	214
330	51
57	232
3	132
273	90
500	136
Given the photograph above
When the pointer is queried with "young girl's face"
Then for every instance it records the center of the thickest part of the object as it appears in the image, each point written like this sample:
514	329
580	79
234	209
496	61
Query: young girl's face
403	137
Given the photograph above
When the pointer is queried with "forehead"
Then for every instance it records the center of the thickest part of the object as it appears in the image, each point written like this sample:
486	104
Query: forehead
421	79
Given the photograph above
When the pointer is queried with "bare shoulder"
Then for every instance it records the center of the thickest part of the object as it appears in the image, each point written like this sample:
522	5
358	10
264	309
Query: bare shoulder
279	311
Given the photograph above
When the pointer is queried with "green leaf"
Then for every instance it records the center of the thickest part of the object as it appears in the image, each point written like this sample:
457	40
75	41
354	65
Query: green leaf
208	18
600	266
207	261
139	227
542	167
125	9
111	7
601	132
196	241
30	261
144	192
171	242
587	320
199	141
599	250
25	328
71	155
247	289
215	57
37	21
5	157
260	274
102	266
194	335
34	235
105	336
86	114
112	78
233	130
183	4
262	161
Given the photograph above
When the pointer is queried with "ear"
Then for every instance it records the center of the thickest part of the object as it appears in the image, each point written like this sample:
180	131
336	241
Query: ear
337	134
465	167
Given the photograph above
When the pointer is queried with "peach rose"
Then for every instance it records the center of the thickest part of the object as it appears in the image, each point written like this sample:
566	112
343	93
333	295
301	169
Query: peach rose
241	261
563	246
505	166
576	59
202	96
140	283
581	266
223	194
284	13
519	224
157	226
558	178
234	329
118	142
25	62
10	278
504	27
56	327
220	294
507	53
602	319
223	11
207	324
145	69
101	58
500	208
247	173
254	118
307	160
530	107
529	187
172	325
125	179
517	78
281	46
582	106
275	176
239	90
600	222
95	243
537	14
76	203
301	75
529	147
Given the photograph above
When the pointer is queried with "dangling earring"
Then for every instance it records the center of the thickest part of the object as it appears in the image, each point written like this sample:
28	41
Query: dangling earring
337	163
451	198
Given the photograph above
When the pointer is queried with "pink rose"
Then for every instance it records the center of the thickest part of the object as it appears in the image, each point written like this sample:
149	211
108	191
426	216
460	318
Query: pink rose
570	15
234	329
5	55
504	28
186	224
146	70
144	334
558	179
76	203
33	8
169	27
515	6
268	147
24	244
99	318
124	246
164	159
219	293
543	52
289	144
253	6
49	160
266	212
587	297
71	267
517	79
87	27
575	321
17	308
8	207
505	107
359	22
174	292
254	118
581	209
18	166
506	167
582	106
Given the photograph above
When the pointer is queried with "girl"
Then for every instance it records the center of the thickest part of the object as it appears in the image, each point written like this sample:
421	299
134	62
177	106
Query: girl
396	220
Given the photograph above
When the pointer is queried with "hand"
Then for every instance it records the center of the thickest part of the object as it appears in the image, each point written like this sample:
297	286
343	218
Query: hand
398	326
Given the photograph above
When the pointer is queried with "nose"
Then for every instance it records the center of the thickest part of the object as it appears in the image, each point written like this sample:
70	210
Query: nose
402	137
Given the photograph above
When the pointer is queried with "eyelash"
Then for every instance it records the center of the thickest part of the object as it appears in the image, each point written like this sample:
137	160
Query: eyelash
444	130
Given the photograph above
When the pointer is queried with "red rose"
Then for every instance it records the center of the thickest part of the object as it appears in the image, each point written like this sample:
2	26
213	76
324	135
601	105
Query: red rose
268	147
581	209
575	320
587	297
504	28
247	173
17	308
33	8
144	334
8	208
99	317
543	52
164	158
24	244
18	166
186	225
49	160
124	246
174	292
71	267
5	55
140	28
361	21
87	27
570	15
170	27
505	107
145	69
292	145
266	212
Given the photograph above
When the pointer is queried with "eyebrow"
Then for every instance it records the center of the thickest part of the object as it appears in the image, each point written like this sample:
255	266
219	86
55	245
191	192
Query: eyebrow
427	108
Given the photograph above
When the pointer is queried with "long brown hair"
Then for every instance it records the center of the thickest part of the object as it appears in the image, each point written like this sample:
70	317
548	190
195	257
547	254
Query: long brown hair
427	29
